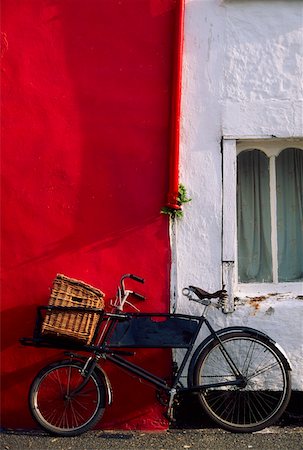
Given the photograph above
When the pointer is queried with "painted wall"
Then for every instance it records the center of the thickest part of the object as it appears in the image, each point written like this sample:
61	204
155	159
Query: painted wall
85	129
242	79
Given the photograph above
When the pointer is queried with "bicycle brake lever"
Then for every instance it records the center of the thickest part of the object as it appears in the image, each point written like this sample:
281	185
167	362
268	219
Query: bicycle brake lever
130	304
138	296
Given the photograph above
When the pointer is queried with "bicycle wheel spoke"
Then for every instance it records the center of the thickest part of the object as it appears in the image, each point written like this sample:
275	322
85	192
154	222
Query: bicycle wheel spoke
263	370
51	416
76	415
62	422
248	358
68	380
226	409
57	380
264	402
263	360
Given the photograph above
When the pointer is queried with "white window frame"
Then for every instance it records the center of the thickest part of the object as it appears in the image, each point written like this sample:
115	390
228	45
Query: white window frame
231	147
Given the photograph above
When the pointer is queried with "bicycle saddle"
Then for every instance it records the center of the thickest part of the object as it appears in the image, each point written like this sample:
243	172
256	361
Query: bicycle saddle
203	294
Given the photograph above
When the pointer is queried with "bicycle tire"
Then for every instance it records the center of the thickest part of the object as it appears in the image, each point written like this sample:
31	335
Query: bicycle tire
264	398
60	415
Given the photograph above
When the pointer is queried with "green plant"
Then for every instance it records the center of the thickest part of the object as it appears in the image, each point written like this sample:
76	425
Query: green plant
181	199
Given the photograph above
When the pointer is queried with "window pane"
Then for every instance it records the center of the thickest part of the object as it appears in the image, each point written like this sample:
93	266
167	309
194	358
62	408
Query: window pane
253	216
289	169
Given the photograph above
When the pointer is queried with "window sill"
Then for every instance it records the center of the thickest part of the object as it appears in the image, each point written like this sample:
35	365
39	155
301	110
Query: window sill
268	289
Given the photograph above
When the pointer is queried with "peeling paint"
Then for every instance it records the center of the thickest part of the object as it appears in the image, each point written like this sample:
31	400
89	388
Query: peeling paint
255	302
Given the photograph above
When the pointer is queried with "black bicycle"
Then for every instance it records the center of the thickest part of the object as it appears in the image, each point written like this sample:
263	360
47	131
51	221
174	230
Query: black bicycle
241	375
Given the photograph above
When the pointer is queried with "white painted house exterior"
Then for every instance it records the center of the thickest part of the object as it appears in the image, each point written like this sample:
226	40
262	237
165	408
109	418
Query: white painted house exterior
242	89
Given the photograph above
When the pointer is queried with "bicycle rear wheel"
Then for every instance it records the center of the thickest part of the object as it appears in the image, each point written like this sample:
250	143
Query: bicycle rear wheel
265	395
55	407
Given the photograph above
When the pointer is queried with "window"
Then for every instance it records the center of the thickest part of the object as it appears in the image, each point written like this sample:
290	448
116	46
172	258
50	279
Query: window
270	216
262	241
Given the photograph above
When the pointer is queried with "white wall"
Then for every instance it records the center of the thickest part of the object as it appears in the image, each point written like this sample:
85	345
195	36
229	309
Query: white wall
241	78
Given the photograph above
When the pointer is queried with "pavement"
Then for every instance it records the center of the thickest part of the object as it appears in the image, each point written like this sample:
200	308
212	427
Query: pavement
191	431
272	438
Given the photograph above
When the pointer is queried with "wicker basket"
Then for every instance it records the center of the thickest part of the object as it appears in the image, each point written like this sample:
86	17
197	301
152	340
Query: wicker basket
78	326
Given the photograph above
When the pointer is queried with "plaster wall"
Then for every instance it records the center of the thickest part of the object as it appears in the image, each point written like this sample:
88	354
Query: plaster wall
242	79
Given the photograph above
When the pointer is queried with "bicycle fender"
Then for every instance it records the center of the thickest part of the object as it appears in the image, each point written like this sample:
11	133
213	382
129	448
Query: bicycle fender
101	373
227	330
109	390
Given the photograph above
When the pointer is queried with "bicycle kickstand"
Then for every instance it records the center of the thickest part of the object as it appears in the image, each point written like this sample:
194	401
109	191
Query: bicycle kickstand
171	403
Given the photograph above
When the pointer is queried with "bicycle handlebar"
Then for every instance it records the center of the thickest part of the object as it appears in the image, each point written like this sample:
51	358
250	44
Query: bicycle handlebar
132	277
138	296
136	278
123	294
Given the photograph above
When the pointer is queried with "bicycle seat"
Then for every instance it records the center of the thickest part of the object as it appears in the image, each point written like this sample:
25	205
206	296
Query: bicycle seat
203	294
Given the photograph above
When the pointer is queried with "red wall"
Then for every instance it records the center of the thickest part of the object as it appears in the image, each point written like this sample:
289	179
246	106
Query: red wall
86	88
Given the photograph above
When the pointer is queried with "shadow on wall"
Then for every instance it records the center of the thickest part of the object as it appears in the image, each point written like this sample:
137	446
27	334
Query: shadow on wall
123	105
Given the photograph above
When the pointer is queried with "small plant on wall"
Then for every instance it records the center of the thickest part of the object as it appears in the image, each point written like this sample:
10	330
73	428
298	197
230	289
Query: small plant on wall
181	199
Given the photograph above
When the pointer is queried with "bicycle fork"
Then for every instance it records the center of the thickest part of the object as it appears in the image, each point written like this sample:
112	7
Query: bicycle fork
85	372
241	380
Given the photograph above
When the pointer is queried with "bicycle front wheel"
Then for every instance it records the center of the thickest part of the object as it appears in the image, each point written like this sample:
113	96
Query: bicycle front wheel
261	400
57	406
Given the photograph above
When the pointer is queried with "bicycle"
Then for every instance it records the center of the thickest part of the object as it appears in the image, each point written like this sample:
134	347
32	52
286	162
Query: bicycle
241	375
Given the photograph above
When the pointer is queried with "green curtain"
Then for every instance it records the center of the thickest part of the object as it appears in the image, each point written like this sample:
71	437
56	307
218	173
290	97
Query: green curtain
289	174
253	217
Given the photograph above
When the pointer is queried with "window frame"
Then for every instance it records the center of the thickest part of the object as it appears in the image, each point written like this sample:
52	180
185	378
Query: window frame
231	147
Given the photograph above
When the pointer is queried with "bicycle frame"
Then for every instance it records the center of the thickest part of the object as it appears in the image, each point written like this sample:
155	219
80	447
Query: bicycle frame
114	357
105	350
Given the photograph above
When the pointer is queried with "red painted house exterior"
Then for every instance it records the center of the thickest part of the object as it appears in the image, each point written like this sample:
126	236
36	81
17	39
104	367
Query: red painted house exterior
86	106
